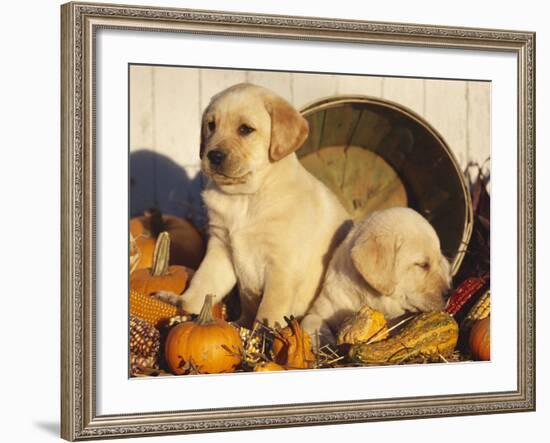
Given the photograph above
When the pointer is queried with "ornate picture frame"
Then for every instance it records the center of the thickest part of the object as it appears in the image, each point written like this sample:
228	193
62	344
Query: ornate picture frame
80	24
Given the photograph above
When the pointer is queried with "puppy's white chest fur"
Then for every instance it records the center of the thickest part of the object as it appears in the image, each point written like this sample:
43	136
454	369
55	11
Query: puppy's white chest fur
247	261
231	221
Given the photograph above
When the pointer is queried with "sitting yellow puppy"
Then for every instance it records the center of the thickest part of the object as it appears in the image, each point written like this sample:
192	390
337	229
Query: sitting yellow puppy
272	225
390	261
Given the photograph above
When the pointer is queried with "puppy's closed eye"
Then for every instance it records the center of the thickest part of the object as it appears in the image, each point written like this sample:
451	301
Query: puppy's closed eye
424	265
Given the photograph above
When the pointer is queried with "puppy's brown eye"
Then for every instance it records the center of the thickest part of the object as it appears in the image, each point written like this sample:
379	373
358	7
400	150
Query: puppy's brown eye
245	129
211	125
423	265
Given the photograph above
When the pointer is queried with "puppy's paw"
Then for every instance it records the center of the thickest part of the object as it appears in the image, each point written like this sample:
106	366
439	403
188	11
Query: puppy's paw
187	302
318	330
169	297
192	304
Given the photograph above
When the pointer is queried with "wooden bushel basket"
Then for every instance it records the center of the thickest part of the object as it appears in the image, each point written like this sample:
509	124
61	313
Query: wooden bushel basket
376	154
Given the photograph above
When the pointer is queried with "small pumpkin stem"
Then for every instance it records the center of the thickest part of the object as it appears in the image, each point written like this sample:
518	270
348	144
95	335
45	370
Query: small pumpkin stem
161	255
156	222
205	316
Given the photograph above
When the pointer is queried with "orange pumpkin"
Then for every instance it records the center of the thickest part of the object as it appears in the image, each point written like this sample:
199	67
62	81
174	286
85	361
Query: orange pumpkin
480	339
207	345
161	276
268	366
187	247
292	347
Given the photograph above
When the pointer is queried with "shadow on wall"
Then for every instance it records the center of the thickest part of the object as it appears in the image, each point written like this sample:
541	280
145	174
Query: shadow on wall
157	181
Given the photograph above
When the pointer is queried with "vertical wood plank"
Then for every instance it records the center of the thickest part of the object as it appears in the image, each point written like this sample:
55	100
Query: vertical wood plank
177	130
176	114
359	84
446	111
307	88
141	161
479	121
213	81
141	107
278	82
408	92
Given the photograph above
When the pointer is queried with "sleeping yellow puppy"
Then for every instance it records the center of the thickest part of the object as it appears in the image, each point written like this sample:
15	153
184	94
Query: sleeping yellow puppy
272	225
390	261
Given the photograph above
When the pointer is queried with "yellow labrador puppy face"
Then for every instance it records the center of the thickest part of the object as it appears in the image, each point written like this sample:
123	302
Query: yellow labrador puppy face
426	270
398	253
245	129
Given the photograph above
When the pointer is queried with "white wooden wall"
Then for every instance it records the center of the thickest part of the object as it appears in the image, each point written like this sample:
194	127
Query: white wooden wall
166	104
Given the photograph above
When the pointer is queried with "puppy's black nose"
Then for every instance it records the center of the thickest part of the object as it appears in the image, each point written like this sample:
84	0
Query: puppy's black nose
216	157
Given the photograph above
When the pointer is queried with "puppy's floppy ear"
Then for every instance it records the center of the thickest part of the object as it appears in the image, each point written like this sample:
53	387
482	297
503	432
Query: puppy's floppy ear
288	128
374	257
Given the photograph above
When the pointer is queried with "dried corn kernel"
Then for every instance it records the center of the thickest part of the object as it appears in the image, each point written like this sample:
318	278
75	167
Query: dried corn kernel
149	308
144	338
253	343
481	309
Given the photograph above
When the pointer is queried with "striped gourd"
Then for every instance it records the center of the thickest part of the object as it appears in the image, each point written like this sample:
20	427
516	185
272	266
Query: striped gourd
429	335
